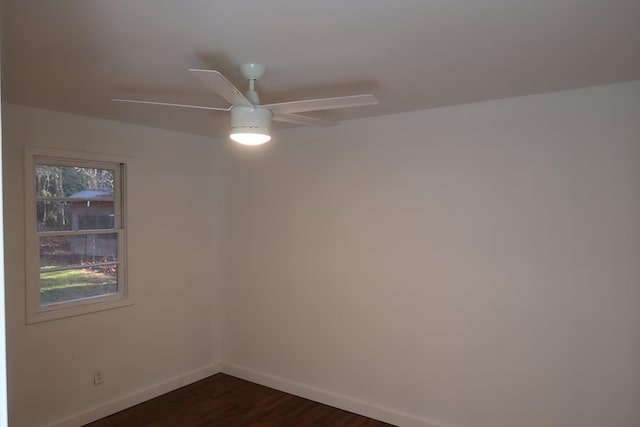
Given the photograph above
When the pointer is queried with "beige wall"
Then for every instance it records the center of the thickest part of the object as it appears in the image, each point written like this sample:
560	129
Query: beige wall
168	334
476	265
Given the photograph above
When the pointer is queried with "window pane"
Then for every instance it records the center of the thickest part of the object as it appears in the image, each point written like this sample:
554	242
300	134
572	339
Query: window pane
77	283
68	181
61	251
53	215
96	222
75	215
74	198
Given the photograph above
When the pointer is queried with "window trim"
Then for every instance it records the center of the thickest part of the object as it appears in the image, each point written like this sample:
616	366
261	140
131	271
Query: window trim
36	313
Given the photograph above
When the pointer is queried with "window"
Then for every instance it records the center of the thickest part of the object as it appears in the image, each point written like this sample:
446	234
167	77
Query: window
75	234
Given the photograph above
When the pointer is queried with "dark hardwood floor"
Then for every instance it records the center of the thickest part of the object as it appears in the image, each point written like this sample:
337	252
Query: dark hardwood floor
223	400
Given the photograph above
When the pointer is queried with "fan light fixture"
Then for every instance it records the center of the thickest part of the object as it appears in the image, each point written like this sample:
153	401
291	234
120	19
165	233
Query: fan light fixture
250	120
250	126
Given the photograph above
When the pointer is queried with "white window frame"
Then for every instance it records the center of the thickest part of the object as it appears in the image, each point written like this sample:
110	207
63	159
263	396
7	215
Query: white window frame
34	310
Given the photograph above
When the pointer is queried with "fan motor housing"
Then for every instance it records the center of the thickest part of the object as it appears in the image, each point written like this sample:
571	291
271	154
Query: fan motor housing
250	119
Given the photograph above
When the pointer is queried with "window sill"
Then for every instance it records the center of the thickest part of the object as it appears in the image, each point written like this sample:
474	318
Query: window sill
52	312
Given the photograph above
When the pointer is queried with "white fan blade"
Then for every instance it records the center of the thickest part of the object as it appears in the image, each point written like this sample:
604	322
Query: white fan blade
301	120
168	104
219	83
321	104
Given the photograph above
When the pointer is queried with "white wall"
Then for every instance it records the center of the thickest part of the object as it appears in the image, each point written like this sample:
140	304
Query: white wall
476	265
168	336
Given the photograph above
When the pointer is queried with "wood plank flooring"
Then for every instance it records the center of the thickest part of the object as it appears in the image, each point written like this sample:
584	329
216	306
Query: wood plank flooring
223	400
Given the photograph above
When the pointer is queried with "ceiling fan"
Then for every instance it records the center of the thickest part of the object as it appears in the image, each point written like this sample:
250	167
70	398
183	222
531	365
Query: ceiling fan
250	120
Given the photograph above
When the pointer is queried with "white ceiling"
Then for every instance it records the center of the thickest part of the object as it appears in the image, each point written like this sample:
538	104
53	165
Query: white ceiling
75	55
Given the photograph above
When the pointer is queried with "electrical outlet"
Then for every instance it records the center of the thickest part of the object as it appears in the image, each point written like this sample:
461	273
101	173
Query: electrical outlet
98	377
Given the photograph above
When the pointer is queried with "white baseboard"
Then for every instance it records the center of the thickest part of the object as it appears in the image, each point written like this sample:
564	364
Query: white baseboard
136	397
328	398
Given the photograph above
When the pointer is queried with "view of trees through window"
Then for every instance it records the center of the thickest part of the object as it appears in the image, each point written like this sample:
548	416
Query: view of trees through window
55	183
75	221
